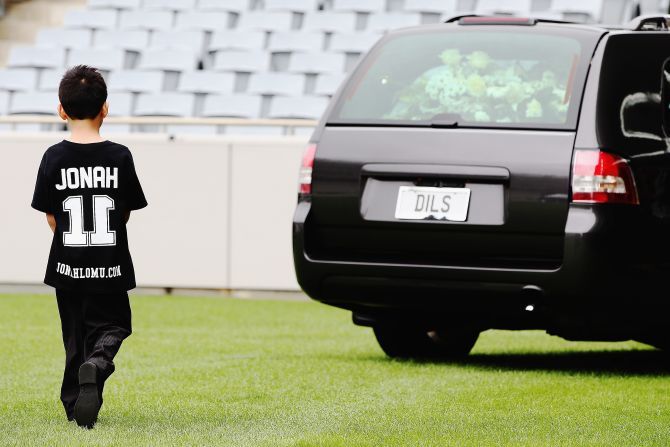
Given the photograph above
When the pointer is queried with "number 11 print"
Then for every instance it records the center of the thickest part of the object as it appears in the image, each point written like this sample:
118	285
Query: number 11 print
101	234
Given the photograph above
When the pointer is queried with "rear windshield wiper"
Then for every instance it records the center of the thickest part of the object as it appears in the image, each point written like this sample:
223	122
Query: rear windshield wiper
443	120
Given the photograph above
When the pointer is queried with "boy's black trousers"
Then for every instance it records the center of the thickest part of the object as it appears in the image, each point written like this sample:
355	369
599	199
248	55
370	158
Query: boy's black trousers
94	326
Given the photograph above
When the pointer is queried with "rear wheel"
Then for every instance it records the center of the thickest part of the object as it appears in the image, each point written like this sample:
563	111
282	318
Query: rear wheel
405	341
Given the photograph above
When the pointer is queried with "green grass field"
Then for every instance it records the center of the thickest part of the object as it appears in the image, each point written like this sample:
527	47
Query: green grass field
213	371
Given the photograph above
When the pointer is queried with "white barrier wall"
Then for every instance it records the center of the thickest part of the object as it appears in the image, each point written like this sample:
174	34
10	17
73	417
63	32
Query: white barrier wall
219	215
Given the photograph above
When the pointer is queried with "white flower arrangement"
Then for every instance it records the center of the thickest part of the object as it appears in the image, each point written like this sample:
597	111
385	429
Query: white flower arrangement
481	89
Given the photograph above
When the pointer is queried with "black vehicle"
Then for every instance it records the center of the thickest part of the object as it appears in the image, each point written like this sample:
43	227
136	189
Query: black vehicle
495	173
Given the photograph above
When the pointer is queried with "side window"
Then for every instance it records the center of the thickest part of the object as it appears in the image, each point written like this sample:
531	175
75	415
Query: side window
665	97
631	109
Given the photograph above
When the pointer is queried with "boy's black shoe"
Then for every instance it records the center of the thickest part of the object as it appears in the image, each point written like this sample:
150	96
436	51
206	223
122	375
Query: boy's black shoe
88	403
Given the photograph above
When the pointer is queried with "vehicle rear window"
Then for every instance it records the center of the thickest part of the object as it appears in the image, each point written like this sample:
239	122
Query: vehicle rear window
518	77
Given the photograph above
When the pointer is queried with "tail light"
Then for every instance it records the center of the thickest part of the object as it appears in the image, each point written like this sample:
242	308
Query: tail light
305	177
600	177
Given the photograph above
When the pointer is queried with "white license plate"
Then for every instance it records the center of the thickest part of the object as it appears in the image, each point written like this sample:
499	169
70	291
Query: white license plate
422	202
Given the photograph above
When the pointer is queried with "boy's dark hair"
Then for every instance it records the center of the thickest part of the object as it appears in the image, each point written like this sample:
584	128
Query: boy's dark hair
82	92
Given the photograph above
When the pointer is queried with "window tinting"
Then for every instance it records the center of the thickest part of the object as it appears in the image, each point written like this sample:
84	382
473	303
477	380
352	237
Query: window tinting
506	78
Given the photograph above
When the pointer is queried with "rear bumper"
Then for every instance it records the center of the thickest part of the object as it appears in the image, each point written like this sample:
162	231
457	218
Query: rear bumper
607	278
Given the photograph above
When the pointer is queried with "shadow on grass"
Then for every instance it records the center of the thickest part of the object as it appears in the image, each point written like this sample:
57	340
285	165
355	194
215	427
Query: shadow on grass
634	363
627	363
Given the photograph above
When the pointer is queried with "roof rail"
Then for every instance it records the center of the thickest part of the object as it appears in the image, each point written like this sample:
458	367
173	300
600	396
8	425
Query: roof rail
477	19
456	18
649	22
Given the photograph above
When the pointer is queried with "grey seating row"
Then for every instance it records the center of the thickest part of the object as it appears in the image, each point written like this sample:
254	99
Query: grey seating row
593	8
523	7
199	81
176	104
251	20
258	61
239	6
139	40
171	51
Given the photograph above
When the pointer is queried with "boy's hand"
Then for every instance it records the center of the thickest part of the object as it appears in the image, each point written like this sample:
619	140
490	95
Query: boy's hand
52	222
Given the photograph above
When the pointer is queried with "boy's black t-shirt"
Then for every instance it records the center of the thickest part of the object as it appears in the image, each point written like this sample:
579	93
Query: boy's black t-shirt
89	188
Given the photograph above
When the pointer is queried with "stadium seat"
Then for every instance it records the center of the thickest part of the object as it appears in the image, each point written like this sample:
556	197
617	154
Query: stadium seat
190	40
235	6
203	20
39	103
292	5
649	6
151	20
237	40
329	22
317	63
352	42
266	21
116	4
36	57
308	107
134	40
4	103
591	10
91	18
165	104
295	41
233	106
120	104
431	6
623	11
50	79
18	79
136	81
64	38
359	5
206	82
170	5
503	7
288	84
327	84
385	21
104	59
168	59
241	61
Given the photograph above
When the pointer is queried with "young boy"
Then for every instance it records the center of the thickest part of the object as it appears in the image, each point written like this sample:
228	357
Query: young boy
87	187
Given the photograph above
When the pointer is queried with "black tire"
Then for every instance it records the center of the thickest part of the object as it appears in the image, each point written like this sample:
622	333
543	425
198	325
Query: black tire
404	341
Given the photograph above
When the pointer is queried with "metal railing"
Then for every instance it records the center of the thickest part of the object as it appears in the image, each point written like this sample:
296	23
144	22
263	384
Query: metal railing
51	122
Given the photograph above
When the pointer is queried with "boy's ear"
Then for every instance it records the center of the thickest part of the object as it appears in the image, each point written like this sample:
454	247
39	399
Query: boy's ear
61	112
105	110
